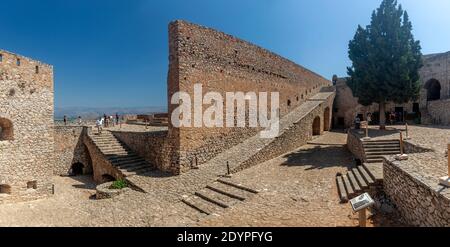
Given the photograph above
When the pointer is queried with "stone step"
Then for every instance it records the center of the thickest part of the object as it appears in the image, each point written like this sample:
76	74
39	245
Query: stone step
137	172
359	178
392	146
124	158
236	185
229	191
131	166
127	162
348	187
375	170
341	189
201	205
375	160
354	183
110	146
381	141
365	175
121	153
209	196
382	152
117	150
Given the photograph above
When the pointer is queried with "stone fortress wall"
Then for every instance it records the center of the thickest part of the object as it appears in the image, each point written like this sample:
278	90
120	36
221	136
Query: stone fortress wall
433	103
223	63
26	128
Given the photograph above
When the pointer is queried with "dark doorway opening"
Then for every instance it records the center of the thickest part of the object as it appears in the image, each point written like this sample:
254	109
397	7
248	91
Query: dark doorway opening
433	88
326	119
77	169
316	126
416	107
399	114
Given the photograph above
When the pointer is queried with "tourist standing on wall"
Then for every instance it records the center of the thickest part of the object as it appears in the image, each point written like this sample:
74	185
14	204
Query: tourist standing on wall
65	120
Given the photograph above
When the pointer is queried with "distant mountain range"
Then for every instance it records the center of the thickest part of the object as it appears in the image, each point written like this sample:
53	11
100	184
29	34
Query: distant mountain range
95	112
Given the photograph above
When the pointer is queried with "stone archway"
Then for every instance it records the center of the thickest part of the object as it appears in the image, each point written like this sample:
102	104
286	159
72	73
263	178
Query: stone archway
316	126
433	88
326	119
6	129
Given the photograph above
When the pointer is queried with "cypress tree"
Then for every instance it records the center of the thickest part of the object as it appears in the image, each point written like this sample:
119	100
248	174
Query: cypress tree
385	59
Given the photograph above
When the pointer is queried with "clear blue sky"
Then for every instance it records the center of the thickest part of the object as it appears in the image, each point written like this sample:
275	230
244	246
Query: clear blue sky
115	53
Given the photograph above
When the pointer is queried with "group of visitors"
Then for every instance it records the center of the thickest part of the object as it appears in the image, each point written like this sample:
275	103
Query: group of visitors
79	120
108	121
358	120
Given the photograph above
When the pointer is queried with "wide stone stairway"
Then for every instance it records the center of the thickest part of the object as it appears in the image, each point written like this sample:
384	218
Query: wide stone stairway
370	174
120	156
219	195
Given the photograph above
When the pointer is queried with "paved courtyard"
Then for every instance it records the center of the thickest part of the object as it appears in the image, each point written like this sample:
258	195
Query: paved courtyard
297	189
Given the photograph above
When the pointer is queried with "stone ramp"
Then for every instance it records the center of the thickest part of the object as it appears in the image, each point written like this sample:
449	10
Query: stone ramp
172	187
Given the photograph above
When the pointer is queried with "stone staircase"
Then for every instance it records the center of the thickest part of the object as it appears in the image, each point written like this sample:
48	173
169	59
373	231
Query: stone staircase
218	196
120	156
360	179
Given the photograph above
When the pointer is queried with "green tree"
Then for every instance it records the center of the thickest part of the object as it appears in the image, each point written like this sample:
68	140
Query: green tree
385	59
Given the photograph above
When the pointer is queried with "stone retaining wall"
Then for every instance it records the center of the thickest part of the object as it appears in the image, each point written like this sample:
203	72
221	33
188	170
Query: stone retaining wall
354	144
415	193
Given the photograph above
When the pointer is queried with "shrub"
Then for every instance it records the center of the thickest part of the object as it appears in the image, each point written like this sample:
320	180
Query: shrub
119	184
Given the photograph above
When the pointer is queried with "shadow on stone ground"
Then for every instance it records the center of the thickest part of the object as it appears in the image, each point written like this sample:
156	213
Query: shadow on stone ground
315	158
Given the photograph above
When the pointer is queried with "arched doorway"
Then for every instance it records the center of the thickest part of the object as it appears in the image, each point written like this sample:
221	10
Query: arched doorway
433	88
77	169
6	129
326	119
107	178
316	126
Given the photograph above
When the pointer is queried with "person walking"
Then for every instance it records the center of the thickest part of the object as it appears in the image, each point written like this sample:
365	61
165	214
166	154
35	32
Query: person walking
98	123
117	118
65	120
79	120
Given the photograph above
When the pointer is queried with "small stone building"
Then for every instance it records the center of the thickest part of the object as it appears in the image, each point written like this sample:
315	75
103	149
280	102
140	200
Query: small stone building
26	128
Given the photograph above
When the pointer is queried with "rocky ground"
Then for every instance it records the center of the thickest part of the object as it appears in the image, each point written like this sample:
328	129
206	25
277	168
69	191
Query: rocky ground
297	189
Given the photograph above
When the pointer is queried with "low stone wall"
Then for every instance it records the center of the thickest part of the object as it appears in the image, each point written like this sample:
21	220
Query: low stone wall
439	111
354	144
152	146
70	149
103	191
413	188
411	148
